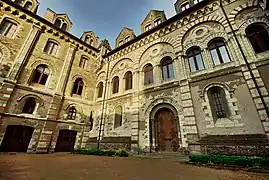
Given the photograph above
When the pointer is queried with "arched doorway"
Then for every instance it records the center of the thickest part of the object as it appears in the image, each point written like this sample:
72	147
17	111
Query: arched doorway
165	129
17	138
66	141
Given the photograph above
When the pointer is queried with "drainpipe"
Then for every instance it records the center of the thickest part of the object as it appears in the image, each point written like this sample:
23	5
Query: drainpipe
245	59
103	107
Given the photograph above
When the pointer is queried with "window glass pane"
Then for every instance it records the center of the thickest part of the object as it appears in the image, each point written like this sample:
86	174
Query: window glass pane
192	64
54	49
11	31
36	77
44	79
199	60
4	27
215	56
165	74
171	71
224	54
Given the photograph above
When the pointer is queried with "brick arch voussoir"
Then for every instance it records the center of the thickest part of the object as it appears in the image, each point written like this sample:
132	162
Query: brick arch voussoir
238	9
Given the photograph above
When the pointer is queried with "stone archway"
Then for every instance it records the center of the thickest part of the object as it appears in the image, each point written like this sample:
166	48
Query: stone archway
164	129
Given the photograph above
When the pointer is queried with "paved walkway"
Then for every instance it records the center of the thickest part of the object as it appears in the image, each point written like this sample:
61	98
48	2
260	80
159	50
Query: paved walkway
71	167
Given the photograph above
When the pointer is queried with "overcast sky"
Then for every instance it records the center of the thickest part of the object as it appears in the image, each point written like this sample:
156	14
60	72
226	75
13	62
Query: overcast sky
106	18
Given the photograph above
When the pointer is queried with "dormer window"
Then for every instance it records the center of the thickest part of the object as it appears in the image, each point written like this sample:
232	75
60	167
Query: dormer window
121	43
196	1
148	27
127	39
185	6
157	22
60	23
28	5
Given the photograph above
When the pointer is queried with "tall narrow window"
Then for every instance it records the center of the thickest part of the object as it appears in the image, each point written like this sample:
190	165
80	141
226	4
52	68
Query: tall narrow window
195	60
41	75
185	6
51	48
118	117
28	5
157	22
64	26
91	121
8	28
219	52
258	37
100	88
148	27
29	106
78	87
58	23
121	43
218	102
87	39
115	82
128	80
72	113
148	74
167	68
127	39
83	63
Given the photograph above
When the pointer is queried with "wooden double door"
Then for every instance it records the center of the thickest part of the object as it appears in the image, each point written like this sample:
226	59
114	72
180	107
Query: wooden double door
66	141
16	138
166	127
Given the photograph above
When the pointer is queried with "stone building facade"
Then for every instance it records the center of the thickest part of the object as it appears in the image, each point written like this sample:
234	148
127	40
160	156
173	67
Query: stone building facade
197	81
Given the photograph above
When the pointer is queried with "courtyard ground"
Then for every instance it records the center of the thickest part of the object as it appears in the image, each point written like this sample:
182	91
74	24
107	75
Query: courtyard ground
73	167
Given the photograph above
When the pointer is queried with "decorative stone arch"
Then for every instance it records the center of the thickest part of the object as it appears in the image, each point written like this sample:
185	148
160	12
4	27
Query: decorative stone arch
191	45
21	102
261	20
150	115
217	19
77	76
78	108
122	67
99	75
167	40
238	9
224	86
50	66
222	36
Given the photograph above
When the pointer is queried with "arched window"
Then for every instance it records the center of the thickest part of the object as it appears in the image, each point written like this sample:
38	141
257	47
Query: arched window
8	28
78	86
41	74
29	106
51	48
195	59
58	23
116	83
91	121
218	102
28	5
148	74
167	68
20	2
128	80
72	113
100	88
118	117
258	37
64	26
219	52
83	63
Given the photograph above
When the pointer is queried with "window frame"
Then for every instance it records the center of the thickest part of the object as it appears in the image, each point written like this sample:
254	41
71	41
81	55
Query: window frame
115	84
50	49
148	27
214	45
42	74
30	7
193	53
185	6
118	118
100	89
27	109
83	63
11	28
128	80
72	113
78	87
148	74
167	65
258	39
